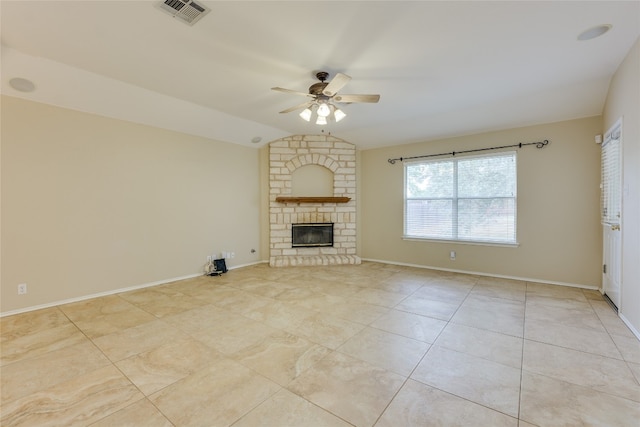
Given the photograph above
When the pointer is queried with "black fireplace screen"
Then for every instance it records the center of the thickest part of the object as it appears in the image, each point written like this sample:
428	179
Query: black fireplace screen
311	235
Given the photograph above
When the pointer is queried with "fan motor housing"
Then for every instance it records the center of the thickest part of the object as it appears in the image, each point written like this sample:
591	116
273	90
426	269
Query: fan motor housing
317	88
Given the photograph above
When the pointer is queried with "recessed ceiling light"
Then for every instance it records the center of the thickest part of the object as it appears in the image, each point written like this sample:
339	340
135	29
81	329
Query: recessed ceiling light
256	139
22	85
594	32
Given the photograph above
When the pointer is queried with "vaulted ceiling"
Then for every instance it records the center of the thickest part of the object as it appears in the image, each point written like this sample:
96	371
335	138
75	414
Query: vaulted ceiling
442	68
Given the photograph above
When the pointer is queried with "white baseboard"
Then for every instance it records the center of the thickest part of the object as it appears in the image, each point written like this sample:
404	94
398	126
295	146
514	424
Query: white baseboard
190	276
113	292
626	321
475	273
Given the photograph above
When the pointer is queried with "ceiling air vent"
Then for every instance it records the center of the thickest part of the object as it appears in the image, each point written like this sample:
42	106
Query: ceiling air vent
187	11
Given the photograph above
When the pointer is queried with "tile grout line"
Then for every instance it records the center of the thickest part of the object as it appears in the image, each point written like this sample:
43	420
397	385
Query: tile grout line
524	326
637	380
112	363
576	350
425	355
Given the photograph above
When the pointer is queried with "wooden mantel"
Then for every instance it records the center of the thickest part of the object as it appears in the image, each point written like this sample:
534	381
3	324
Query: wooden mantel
302	199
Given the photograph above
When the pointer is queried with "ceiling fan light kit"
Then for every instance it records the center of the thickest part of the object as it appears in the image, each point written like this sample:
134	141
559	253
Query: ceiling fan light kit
324	95
324	112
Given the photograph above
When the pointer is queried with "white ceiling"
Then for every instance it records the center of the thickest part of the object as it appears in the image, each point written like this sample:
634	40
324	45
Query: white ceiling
442	68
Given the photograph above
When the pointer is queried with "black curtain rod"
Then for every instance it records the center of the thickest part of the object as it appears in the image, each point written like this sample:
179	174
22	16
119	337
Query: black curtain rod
538	144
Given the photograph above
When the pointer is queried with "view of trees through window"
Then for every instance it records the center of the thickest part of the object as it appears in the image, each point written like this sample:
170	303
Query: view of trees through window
467	199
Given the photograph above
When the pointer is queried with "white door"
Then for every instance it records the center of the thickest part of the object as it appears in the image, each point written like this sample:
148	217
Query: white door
611	267
611	209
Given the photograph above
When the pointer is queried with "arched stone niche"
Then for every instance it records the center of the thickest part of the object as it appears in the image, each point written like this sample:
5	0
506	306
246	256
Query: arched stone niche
312	180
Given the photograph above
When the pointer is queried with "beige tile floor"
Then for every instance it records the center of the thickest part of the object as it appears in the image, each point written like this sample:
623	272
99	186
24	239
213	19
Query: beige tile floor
360	345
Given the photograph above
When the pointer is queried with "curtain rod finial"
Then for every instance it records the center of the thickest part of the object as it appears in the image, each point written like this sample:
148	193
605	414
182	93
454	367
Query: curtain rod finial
542	144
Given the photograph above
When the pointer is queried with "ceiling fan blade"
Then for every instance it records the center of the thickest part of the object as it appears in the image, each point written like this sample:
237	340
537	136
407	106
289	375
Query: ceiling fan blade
295	92
336	84
356	98
297	107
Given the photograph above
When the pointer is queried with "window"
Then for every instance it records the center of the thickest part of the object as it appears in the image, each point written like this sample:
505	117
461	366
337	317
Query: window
471	199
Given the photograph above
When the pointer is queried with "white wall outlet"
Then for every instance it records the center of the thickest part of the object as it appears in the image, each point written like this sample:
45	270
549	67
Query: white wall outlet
452	255
208	258
232	255
22	288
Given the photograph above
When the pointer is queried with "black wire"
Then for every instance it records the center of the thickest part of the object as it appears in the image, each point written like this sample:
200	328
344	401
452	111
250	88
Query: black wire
538	144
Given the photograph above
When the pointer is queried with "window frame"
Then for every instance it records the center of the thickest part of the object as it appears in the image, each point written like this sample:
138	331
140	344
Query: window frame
455	201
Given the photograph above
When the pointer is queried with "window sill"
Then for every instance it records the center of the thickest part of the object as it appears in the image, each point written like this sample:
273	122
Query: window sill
462	242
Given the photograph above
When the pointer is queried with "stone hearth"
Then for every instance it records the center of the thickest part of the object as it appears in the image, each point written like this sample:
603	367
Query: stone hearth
285	156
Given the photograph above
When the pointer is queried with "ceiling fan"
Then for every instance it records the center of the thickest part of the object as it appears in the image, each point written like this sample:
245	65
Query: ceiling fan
324	94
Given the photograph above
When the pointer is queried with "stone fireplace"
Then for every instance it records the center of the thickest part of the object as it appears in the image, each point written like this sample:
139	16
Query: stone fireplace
288	154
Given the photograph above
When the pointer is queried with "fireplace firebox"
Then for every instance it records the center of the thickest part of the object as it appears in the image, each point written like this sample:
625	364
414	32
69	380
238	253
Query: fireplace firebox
311	235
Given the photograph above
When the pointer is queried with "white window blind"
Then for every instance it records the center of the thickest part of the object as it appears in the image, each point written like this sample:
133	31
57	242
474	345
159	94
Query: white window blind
465	199
610	195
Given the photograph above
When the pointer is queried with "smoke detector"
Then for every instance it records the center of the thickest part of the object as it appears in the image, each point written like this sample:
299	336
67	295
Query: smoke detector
187	11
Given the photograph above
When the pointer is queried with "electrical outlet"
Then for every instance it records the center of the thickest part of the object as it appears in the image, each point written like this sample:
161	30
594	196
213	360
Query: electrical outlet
208	258
232	255
22	288
452	255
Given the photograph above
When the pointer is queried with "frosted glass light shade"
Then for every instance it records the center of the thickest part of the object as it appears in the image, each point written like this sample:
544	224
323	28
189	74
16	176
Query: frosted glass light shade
306	114
339	114
321	120
323	110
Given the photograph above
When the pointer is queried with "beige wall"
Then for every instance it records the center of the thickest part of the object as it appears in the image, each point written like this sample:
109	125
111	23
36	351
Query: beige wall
264	203
91	204
558	207
623	100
